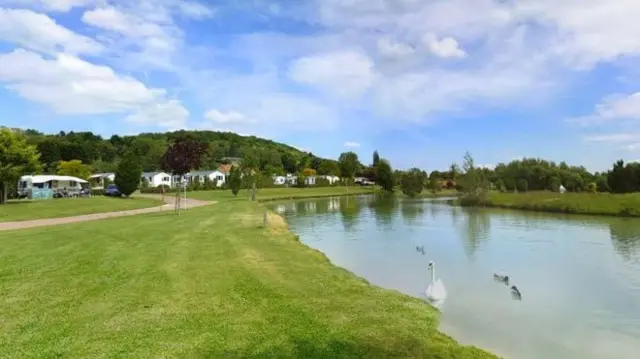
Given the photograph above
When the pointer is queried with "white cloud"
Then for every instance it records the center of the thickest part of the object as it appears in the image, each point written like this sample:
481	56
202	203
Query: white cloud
41	33
49	5
351	144
226	117
131	26
388	47
446	47
71	86
614	108
345	73
195	10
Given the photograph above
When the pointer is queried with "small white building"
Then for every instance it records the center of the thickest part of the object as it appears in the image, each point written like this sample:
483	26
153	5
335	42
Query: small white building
97	180
332	179
291	179
310	181
561	189
279	180
157	179
213	175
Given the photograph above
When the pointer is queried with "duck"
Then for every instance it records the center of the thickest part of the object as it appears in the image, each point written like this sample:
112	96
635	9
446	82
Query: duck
501	278
515	293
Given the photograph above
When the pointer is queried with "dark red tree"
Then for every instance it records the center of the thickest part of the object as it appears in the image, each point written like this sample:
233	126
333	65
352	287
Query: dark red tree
183	156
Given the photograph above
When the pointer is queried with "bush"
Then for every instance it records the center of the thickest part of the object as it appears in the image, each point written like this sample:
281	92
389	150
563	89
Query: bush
97	192
412	182
592	187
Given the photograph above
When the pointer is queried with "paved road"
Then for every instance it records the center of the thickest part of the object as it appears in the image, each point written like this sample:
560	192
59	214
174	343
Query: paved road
168	206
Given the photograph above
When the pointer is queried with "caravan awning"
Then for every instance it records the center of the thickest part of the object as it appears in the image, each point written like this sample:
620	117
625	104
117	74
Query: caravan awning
44	179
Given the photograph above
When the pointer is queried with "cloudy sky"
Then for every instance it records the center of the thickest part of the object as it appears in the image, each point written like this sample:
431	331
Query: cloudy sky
420	80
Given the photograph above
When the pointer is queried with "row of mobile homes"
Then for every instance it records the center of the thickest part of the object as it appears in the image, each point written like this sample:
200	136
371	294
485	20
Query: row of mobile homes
292	180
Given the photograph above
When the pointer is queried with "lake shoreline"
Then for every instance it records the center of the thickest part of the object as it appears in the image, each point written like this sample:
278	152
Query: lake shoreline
478	351
599	204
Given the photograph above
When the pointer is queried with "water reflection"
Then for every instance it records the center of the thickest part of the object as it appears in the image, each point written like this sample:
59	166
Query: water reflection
476	230
412	212
625	235
349	209
384	208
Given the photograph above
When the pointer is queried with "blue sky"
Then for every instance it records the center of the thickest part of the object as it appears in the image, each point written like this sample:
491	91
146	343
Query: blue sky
421	81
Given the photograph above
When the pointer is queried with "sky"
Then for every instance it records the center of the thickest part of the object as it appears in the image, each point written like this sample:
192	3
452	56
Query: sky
421	81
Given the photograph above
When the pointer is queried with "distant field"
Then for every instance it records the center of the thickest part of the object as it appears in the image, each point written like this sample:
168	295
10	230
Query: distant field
24	210
627	205
267	194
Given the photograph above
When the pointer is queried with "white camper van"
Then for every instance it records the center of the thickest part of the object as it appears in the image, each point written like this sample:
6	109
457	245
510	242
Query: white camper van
48	186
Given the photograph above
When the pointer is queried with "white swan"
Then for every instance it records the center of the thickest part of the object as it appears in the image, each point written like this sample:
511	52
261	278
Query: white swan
435	291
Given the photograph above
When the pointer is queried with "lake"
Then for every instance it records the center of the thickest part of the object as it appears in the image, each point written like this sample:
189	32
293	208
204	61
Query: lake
579	276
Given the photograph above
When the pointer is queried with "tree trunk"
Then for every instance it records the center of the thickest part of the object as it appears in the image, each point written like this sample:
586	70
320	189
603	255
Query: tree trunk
4	192
253	191
177	203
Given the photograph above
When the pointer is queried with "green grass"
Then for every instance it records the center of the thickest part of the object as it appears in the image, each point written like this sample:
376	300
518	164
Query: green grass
270	194
210	283
627	205
24	210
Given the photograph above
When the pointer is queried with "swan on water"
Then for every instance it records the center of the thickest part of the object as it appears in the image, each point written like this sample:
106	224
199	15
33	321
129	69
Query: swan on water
435	291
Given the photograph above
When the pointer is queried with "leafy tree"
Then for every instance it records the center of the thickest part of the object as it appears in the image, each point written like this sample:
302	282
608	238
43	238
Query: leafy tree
128	174
555	182
474	184
309	172
74	168
500	186
235	180
434	184
348	164
522	185
412	182
17	158
592	187
384	175
183	156
376	158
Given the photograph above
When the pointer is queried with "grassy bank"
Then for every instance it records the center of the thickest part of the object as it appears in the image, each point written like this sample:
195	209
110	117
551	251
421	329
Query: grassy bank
270	194
24	210
627	205
210	283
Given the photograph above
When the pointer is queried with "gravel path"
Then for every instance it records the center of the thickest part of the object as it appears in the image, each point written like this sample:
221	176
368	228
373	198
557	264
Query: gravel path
168	206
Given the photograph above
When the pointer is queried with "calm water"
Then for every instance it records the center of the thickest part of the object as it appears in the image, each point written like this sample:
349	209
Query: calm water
579	276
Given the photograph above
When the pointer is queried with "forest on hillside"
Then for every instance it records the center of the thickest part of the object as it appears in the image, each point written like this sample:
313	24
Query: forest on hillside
103	154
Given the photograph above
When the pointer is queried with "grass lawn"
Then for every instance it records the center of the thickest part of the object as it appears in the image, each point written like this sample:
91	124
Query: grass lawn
583	203
268	194
65	207
210	283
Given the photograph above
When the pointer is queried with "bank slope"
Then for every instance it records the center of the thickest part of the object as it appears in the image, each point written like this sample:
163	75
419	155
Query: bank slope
210	283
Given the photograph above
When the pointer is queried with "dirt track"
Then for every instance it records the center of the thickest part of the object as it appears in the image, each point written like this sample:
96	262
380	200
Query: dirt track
168	206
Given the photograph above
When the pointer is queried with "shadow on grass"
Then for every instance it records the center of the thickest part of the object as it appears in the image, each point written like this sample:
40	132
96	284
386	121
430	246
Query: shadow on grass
303	348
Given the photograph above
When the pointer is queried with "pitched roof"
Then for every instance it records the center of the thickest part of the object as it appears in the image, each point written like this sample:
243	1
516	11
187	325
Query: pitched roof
225	168
202	172
102	175
151	174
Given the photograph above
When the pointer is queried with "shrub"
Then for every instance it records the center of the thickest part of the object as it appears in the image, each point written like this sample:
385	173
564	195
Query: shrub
128	175
412	182
592	187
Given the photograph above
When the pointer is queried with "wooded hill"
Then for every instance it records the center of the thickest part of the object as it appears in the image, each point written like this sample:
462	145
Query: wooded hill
103	154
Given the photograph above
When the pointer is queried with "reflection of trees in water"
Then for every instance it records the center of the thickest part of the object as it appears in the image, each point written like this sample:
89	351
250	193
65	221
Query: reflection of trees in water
383	207
322	206
350	209
412	211
476	230
625	236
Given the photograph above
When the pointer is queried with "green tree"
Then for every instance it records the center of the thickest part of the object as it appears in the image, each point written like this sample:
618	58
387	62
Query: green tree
128	174
592	187
348	163
376	158
434	184
522	185
235	180
555	182
474	184
74	168
384	175
412	182
17	158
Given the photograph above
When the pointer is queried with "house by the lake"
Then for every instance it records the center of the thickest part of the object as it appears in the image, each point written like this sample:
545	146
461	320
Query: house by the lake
212	175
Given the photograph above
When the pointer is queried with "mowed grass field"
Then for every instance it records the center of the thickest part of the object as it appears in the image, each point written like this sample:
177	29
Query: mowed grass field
209	283
24	210
627	205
